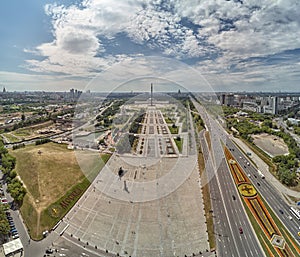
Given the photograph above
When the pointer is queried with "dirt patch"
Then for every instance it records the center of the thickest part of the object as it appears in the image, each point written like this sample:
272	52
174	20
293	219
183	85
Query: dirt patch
270	144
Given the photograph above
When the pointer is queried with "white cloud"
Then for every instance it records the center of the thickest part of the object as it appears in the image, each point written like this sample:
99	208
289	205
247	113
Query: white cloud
76	32
225	33
14	81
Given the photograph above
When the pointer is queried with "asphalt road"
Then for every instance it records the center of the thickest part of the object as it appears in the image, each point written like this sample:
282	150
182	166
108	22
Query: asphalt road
271	195
229	214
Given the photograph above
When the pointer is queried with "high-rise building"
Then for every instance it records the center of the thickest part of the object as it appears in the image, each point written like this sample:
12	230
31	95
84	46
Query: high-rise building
151	94
229	100
275	105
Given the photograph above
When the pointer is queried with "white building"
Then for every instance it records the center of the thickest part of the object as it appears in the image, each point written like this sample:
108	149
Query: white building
13	248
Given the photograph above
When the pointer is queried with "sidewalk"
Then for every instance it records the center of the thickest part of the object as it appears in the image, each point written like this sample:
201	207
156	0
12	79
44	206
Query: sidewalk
264	168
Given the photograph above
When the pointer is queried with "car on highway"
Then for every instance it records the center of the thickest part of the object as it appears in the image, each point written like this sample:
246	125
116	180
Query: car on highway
233	197
240	230
281	211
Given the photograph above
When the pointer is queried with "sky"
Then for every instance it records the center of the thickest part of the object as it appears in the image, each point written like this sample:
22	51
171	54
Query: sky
233	45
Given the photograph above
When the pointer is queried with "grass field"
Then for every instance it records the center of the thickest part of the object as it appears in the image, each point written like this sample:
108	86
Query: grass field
179	143
11	138
49	176
173	130
27	133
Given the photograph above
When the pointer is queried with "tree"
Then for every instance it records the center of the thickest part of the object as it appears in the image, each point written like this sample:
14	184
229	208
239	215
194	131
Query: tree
3	150
4	225
16	190
8	162
287	177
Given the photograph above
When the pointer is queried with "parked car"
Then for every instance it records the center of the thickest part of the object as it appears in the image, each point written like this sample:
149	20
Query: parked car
15	236
13	231
4	200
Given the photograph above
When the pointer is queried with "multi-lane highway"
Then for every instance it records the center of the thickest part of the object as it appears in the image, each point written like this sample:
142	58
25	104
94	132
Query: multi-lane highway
268	192
228	214
266	189
228	211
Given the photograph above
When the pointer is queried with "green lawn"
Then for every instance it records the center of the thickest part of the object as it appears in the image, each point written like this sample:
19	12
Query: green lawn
168	120
11	138
179	143
173	130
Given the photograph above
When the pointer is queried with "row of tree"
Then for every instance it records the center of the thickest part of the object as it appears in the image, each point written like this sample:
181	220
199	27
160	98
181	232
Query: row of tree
4	225
42	141
18	146
15	186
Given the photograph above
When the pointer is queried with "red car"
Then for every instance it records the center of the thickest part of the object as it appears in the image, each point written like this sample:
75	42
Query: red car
241	230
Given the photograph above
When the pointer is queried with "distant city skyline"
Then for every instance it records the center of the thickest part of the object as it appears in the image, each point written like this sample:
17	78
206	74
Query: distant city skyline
235	45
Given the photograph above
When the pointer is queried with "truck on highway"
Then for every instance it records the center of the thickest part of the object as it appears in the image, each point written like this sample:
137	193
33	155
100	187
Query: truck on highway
260	174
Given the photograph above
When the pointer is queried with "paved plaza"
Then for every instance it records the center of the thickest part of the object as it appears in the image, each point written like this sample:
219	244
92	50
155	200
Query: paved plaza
171	225
148	203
